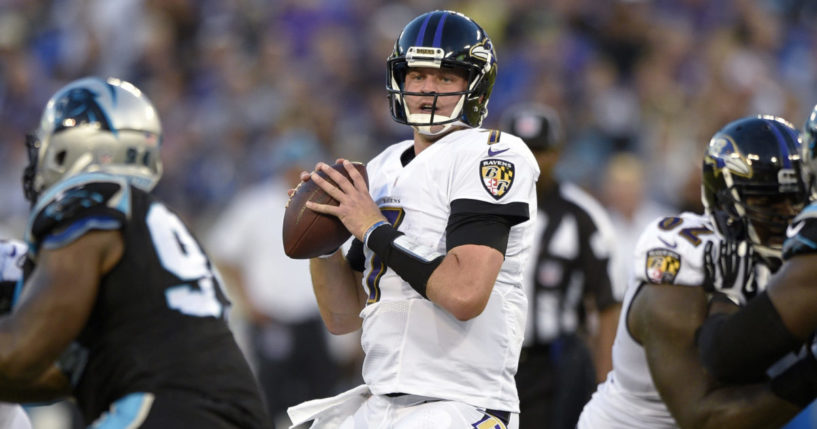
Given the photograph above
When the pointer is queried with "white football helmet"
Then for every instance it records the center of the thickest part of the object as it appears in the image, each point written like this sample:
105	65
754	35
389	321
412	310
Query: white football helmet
95	125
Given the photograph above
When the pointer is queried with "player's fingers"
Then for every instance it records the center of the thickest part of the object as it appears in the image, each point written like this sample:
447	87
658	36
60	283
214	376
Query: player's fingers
336	176
357	178
305	176
327	187
322	208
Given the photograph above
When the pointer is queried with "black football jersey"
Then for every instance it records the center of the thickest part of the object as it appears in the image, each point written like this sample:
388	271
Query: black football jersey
159	321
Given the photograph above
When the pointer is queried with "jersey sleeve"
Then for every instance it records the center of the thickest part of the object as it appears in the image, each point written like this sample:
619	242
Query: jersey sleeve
802	234
81	204
670	251
495	177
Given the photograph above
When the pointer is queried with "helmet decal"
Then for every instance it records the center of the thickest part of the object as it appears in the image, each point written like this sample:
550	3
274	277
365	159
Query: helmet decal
79	106
724	154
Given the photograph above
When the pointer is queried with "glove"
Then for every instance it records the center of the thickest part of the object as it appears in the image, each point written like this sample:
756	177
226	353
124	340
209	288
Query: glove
728	269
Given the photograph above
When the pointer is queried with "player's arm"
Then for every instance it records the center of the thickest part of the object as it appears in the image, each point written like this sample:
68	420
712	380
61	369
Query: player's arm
602	340
463	281
741	346
600	297
338	290
54	305
664	318
52	385
460	281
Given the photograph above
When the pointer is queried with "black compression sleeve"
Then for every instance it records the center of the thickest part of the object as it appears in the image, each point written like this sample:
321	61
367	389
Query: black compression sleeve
740	347
355	256
486	230
399	255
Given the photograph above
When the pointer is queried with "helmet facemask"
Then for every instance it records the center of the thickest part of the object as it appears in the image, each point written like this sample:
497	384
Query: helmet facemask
760	216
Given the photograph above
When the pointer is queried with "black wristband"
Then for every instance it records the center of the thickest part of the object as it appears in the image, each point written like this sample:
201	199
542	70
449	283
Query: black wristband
798	382
412	267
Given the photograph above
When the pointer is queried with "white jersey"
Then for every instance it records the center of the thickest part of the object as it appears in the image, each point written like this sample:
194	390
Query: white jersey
12	416
413	346
12	253
669	251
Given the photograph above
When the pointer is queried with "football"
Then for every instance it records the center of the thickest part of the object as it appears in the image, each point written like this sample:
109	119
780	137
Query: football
309	234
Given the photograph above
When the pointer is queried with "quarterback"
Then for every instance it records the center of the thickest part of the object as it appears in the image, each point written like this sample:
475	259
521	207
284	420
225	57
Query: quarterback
751	190
441	238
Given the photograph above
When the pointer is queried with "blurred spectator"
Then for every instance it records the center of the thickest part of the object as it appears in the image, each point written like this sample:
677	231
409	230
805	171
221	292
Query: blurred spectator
624	194
572	307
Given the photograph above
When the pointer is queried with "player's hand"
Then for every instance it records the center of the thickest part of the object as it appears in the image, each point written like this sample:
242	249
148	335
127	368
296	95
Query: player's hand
304	176
727	268
356	209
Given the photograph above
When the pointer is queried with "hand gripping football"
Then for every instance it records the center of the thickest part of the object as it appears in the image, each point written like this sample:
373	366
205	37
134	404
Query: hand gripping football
307	233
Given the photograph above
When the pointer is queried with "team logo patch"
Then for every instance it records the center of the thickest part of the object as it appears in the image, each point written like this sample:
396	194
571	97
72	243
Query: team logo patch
497	176
662	266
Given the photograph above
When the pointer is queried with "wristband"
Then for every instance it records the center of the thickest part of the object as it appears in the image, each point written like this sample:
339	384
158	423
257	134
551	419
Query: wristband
410	261
371	229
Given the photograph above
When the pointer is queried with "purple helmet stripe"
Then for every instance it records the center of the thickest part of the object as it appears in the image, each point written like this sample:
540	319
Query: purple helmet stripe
438	34
785	153
421	34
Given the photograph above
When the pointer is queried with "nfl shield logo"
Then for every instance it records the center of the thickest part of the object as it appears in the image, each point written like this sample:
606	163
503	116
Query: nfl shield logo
497	176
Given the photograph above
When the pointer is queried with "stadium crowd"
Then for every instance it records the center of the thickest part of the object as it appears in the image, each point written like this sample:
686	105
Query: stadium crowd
233	80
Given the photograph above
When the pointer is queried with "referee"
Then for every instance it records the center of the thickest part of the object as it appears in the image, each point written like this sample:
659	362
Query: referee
573	310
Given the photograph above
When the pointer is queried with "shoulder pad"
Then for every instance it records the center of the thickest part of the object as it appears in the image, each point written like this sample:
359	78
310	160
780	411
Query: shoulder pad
670	250
77	205
801	235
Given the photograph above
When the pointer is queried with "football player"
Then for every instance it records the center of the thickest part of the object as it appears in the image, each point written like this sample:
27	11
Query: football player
751	189
116	289
741	347
443	233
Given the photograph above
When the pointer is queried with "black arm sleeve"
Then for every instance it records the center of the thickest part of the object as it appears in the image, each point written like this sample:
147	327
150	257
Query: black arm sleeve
740	347
355	256
478	222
